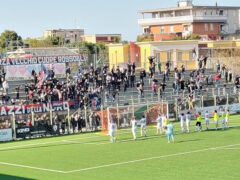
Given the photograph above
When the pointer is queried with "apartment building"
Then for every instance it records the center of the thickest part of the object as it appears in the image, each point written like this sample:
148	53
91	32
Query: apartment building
70	35
209	22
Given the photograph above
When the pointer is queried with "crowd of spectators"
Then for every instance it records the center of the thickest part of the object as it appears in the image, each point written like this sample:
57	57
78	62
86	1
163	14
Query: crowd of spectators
89	86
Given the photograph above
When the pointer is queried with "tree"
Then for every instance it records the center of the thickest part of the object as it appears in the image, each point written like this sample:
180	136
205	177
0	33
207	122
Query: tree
144	38
117	39
48	42
189	37
10	40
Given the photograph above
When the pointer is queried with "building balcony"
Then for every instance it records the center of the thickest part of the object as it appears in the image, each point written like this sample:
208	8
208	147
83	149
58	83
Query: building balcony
210	18
165	20
180	19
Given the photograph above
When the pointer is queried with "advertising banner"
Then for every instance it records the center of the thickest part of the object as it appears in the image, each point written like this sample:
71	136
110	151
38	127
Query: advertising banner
36	108
233	108
23	132
5	134
41	60
40	129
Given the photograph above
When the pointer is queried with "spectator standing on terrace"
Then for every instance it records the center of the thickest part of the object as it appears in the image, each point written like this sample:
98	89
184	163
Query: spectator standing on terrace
199	64
217	79
190	101
159	67
140	89
2	76
230	75
183	71
17	92
226	76
154	88
205	62
168	65
223	70
132	80
5	86
133	67
218	67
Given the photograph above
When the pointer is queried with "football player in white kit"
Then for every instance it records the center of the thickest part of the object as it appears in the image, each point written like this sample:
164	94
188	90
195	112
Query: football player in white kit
227	118
143	126
188	121
134	128
159	124
206	116
112	129
182	122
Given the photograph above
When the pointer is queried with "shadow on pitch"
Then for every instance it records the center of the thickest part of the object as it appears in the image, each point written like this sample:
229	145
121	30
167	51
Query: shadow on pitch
191	140
8	177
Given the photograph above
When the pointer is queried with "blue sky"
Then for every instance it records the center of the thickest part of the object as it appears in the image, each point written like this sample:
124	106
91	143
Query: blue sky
29	18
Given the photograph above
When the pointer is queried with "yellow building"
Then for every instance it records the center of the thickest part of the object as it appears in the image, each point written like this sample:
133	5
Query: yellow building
177	52
89	38
118	54
221	44
94	38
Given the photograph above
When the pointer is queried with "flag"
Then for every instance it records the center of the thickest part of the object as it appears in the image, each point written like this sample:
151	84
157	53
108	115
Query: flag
99	62
43	71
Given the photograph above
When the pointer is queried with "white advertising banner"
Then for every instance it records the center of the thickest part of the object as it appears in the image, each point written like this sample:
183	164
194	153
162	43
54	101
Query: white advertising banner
5	134
233	108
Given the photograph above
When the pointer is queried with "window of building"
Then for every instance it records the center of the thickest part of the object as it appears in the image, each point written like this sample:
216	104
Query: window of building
211	27
221	12
146	30
221	27
206	27
171	29
179	56
162	29
169	56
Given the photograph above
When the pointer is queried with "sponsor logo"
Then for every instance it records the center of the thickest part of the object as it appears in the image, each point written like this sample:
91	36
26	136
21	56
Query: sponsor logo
23	130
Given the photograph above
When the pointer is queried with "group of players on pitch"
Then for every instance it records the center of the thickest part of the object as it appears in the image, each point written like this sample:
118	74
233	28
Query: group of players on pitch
186	119
163	124
166	126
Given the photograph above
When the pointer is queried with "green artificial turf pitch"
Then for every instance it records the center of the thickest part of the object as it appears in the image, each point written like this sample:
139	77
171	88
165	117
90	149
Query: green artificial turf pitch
197	155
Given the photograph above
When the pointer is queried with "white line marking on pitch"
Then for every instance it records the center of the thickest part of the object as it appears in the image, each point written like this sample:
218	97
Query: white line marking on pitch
116	164
151	158
62	141
52	142
27	145
230	148
119	141
31	167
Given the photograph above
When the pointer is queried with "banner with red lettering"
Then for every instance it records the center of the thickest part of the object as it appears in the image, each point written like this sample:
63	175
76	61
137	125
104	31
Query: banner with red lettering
36	108
41	60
